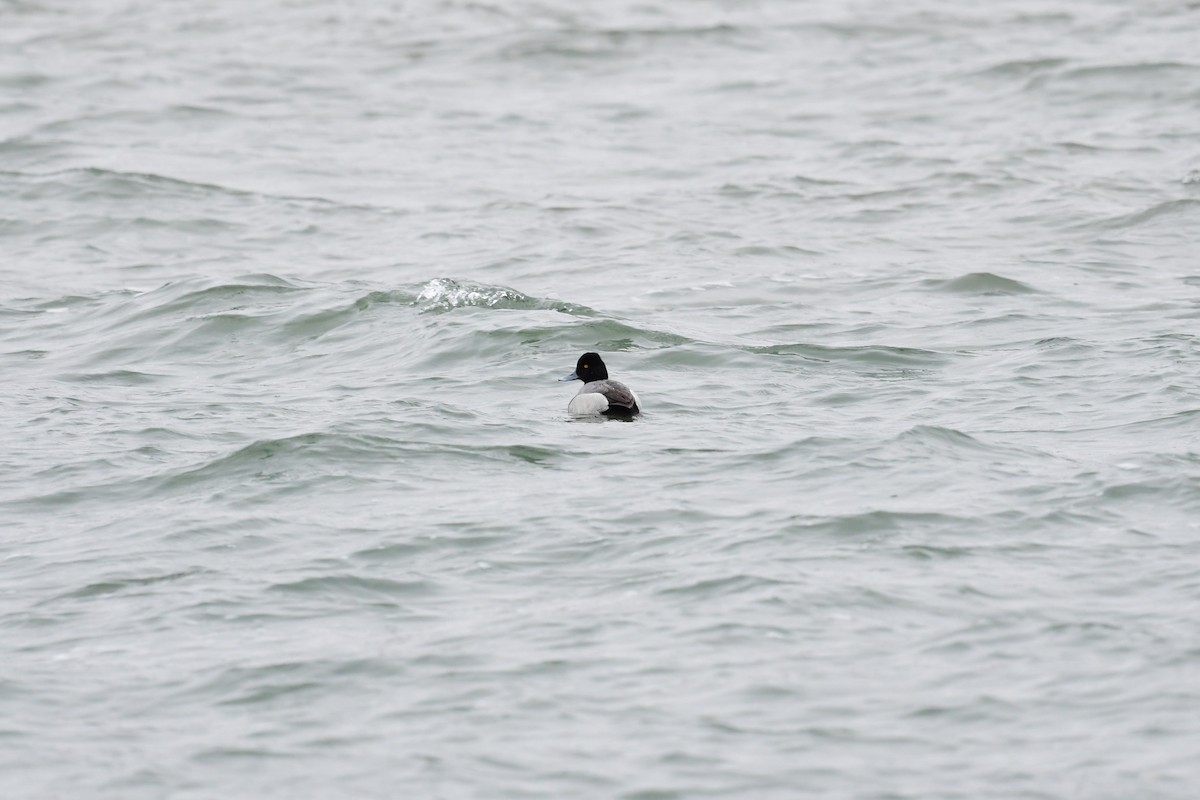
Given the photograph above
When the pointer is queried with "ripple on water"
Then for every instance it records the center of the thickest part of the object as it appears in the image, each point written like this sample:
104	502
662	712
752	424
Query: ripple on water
341	587
904	358
985	283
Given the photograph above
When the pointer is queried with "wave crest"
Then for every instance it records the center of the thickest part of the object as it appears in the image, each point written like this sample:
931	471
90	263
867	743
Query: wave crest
447	294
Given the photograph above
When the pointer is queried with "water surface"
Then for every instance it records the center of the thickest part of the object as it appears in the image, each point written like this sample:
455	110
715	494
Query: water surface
291	505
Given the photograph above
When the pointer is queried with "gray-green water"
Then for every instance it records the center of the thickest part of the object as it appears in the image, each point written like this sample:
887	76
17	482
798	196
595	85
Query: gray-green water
290	503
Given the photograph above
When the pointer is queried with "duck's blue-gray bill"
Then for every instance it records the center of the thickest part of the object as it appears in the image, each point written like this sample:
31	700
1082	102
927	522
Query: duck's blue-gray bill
571	377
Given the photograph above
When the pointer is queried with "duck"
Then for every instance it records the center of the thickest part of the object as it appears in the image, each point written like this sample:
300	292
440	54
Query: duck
600	394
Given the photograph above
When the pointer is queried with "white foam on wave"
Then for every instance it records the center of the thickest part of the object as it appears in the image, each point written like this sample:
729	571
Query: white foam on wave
445	293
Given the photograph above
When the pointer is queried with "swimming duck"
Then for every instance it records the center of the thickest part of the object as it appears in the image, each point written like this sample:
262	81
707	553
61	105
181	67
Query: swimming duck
599	395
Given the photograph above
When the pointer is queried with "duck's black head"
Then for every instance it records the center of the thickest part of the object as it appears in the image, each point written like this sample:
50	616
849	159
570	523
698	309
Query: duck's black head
588	368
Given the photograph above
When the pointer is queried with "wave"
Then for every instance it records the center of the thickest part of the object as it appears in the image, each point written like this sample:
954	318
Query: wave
986	283
876	522
874	355
86	184
942	440
285	460
446	294
131	336
575	43
1184	211
1022	67
354	586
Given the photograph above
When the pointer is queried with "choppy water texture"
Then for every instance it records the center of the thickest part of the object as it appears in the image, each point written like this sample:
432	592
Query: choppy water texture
291	506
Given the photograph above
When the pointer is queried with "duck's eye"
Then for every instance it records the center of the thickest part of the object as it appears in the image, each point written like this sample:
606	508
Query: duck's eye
585	366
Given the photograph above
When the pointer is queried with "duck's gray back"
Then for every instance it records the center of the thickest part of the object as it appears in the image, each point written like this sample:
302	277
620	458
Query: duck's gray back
617	393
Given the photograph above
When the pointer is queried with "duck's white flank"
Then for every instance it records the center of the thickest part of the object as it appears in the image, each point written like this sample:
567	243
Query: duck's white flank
586	405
